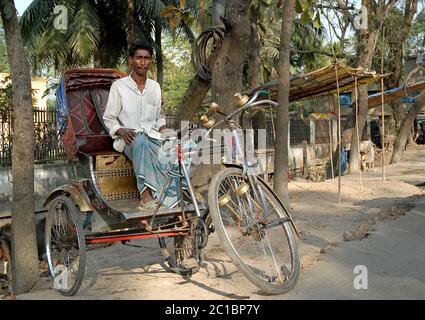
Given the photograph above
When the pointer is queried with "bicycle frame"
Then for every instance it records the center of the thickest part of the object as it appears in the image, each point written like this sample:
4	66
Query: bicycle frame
253	178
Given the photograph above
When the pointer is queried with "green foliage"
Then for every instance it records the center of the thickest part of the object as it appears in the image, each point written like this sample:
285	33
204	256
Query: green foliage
176	81
416	41
177	13
5	96
178	72
304	37
4	63
392	26
96	31
309	16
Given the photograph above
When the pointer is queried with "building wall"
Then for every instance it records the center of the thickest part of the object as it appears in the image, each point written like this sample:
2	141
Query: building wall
47	177
38	85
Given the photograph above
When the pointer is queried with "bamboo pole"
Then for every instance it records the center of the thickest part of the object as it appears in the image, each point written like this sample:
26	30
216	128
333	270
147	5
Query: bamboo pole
357	129
331	145
382	106
339	135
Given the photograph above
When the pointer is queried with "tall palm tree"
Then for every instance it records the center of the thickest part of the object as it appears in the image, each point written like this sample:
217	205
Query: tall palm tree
72	46
97	31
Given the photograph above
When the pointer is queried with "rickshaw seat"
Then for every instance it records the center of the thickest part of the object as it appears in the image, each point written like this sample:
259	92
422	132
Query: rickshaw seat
87	92
86	119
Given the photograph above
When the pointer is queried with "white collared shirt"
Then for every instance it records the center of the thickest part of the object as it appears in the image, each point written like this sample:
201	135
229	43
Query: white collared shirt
129	108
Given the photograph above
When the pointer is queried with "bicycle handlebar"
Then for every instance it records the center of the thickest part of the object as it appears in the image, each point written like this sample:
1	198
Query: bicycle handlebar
251	103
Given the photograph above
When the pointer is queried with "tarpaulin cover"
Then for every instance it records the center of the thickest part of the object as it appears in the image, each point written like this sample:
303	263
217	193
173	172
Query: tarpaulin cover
61	106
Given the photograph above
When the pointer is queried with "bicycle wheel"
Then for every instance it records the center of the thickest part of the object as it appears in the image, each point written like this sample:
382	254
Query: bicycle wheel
259	239
65	246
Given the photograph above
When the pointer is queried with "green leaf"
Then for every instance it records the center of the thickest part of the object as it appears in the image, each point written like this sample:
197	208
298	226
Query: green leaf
262	28
298	7
305	4
305	18
316	22
187	18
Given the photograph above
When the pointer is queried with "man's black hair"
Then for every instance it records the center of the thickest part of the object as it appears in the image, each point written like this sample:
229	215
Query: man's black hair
136	46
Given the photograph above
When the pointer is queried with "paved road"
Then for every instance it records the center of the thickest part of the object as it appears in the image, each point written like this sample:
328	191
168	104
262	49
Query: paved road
394	256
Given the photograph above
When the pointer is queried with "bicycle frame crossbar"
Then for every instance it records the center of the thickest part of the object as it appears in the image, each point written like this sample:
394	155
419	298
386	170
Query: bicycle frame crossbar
105	239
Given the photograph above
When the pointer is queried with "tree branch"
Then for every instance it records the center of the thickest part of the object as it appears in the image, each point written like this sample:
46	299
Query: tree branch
329	54
409	12
346	10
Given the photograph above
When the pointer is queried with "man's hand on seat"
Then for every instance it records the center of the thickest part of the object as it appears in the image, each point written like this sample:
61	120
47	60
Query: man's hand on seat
127	134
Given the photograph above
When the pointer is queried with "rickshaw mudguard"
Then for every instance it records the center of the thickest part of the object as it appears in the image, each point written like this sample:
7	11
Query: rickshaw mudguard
77	194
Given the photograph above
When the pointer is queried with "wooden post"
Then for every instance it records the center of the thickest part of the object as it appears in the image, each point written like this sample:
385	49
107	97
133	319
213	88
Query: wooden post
357	129
382	106
305	160
331	146
339	134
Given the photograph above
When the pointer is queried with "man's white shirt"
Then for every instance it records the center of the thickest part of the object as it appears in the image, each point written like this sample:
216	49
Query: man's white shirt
129	108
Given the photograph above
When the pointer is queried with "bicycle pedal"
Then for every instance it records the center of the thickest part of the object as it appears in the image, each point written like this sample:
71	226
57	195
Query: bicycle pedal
190	263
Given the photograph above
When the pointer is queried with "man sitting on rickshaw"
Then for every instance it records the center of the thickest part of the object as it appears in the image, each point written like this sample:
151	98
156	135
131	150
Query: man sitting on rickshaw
134	120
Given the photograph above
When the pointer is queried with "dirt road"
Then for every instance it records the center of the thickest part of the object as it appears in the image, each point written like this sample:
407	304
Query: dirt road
392	251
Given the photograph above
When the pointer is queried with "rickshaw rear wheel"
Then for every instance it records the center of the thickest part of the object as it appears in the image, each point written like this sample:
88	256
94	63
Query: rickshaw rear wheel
65	245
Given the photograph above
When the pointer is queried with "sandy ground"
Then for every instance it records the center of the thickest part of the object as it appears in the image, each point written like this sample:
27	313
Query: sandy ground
122	272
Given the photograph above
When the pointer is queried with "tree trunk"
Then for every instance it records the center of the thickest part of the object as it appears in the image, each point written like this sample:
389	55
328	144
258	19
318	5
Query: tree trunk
192	100
130	28
396	64
255	78
24	244
195	93
406	125
219	7
159	57
228	68
281	160
130	23
398	113
97	63
411	135
365	51
362	118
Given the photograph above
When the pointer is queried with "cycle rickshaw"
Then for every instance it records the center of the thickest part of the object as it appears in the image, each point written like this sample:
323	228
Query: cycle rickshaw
101	206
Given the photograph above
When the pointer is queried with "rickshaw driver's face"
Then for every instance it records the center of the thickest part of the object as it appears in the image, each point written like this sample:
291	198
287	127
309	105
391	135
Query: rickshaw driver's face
141	62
